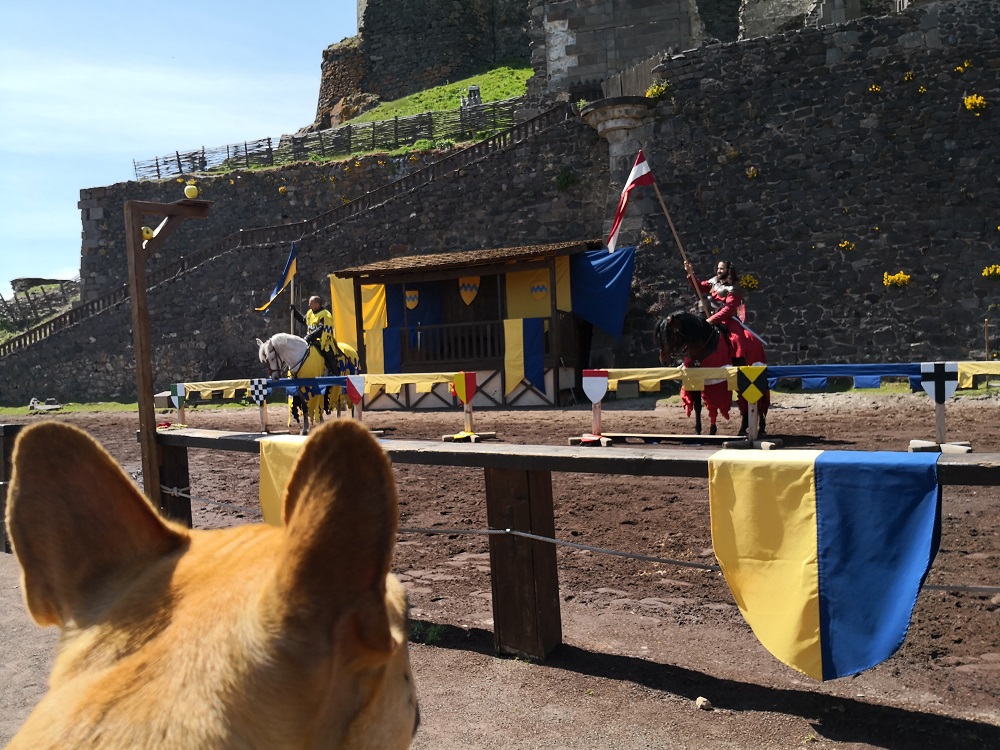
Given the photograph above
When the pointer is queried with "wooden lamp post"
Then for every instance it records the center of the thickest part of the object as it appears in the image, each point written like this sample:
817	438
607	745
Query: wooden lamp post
139	250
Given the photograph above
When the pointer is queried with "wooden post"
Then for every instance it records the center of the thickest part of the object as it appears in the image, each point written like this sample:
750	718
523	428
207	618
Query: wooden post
595	420
8	433
524	576
753	427
467	411
939	426
175	213
174	474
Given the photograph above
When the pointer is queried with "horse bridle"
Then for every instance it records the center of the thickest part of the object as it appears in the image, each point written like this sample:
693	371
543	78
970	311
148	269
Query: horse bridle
279	364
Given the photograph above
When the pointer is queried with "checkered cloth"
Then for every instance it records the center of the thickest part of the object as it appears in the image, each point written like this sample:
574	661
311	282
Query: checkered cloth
258	390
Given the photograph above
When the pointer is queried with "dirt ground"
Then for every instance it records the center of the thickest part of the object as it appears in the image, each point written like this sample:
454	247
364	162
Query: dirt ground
642	640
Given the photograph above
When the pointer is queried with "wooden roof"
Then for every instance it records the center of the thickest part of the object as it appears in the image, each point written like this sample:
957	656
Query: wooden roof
454	262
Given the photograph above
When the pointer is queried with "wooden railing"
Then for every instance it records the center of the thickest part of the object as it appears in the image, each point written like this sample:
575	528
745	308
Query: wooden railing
436	347
459	124
285	234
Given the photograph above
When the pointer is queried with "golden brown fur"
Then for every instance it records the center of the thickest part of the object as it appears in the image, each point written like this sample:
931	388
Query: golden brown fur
251	637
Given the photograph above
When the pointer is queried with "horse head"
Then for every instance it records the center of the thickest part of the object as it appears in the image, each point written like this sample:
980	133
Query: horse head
670	338
685	334
270	357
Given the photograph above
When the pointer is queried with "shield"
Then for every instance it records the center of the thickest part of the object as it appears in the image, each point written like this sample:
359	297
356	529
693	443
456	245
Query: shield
468	287
939	379
355	388
595	384
412	297
465	386
177	395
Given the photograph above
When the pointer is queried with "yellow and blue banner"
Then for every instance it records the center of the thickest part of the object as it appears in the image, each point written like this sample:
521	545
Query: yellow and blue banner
524	351
286	278
825	551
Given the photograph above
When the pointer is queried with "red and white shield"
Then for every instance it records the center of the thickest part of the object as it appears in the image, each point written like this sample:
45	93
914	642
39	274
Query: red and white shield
355	388
595	384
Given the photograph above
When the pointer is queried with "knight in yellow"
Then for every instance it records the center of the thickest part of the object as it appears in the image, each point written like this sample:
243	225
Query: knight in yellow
319	332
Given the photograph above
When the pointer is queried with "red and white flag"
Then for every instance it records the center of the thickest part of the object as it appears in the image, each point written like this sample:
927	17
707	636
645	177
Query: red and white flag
640	175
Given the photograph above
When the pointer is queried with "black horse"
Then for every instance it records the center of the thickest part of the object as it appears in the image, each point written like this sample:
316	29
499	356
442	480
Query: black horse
704	345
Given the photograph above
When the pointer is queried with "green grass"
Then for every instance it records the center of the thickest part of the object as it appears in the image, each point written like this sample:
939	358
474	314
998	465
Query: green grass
503	82
97	406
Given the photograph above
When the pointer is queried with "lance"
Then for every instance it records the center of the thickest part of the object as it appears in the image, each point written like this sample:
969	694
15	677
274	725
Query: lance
680	246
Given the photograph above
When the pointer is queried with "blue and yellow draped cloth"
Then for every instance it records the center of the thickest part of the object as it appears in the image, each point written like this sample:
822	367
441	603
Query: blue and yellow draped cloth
825	551
524	352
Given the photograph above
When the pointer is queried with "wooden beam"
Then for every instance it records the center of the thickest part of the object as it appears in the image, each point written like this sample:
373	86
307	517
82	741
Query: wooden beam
137	256
971	469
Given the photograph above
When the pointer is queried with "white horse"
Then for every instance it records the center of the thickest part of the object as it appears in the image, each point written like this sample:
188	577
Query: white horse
286	353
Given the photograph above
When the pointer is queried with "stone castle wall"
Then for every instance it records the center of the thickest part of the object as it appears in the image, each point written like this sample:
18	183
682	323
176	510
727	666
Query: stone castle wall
203	322
819	161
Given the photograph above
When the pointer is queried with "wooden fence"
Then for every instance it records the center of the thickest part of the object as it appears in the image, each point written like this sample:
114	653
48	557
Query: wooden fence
467	123
632	81
35	306
285	234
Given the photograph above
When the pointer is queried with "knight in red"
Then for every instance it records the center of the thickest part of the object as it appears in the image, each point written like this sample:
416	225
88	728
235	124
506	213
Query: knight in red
728	310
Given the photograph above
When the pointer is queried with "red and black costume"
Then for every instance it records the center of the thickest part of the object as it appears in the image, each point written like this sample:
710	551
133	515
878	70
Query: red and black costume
728	310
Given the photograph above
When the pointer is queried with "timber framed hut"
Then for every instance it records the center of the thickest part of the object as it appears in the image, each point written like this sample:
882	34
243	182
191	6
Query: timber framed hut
513	315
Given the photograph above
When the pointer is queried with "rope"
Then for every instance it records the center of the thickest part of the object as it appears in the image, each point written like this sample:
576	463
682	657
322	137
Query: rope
175	492
575	545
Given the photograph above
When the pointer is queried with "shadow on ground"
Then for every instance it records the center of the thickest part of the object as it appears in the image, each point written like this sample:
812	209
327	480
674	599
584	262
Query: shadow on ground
832	717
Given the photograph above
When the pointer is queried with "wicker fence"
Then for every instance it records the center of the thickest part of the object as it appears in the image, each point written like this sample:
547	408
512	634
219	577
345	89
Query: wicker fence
465	124
286	233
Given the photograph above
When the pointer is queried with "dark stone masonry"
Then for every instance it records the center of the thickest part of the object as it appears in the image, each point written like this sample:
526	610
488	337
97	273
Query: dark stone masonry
819	160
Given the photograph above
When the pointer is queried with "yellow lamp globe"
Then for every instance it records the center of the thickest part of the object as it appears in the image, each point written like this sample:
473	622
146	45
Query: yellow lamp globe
147	233
190	192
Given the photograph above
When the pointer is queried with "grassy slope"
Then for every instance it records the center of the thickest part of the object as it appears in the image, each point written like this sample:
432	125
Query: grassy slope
503	82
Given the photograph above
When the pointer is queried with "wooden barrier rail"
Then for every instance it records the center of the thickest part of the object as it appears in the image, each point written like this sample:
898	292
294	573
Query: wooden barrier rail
523	572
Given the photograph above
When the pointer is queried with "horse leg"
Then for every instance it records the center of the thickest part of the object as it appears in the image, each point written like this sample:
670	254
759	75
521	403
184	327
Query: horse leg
696	398
744	416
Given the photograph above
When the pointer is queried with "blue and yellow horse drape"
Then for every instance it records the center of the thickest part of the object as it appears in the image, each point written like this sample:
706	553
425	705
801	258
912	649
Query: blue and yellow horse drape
825	552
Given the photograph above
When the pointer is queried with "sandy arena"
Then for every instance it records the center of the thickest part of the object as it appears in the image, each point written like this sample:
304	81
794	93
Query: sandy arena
642	641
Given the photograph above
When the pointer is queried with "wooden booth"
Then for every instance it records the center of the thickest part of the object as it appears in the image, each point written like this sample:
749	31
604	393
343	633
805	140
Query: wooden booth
506	314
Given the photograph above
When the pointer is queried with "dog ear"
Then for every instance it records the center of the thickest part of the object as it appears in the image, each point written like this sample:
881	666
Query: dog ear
340	514
74	518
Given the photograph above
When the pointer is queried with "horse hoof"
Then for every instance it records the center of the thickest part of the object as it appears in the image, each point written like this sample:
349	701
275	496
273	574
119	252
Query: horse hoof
713	430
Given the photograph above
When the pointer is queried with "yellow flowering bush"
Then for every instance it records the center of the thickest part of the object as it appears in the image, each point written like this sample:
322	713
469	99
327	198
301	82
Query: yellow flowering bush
922	90
896	279
975	103
908	75
992	272
874	88
657	90
963	66
749	281
846	245
752	173
282	189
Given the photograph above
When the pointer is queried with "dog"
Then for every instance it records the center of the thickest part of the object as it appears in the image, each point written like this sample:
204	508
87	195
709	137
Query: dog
249	637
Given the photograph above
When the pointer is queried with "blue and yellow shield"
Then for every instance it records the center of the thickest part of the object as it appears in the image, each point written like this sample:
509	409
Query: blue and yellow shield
468	287
412	297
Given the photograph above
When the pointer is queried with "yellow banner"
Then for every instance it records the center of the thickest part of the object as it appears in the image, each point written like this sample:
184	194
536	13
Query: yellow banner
528	294
764	535
513	356
564	298
277	459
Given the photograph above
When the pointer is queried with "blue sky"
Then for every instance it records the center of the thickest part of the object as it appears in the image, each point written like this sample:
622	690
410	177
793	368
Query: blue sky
85	88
